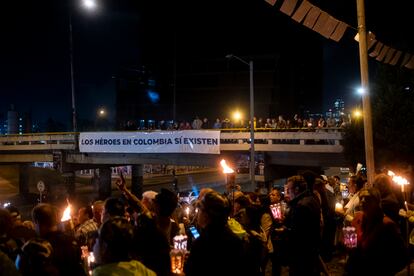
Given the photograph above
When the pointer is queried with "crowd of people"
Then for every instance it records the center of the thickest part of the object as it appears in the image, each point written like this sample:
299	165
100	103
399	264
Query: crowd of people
279	123
296	229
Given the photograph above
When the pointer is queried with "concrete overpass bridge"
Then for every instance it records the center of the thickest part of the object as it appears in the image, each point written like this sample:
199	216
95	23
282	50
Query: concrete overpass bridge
300	148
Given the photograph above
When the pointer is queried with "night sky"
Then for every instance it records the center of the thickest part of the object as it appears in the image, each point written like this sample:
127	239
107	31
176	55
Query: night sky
34	49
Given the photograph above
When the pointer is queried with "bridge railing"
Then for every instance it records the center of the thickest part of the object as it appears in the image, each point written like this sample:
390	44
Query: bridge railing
320	140
41	141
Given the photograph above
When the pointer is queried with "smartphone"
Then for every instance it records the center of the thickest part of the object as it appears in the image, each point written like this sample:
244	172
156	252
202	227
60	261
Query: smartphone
194	232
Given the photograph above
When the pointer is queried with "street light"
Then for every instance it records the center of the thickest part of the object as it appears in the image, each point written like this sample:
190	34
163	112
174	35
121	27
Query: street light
102	112
252	161
90	5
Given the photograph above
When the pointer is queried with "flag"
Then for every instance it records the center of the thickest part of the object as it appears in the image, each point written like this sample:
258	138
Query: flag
410	64
320	23
383	52
390	55
311	17
339	31
377	49
329	27
301	12
406	58
271	2
396	58
288	7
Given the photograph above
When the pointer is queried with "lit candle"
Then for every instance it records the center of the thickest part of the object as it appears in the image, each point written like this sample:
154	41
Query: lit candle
339	207
187	211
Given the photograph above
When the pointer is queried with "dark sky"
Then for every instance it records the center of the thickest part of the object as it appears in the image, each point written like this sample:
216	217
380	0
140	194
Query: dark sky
34	49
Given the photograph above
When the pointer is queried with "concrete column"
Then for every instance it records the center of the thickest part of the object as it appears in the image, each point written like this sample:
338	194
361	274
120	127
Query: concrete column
105	182
69	181
137	180
24	179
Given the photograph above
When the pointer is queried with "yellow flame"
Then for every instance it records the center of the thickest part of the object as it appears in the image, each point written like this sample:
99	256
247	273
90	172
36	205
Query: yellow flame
398	179
226	168
66	214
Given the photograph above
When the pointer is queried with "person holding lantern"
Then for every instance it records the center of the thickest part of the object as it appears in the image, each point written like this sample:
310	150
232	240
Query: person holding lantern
381	249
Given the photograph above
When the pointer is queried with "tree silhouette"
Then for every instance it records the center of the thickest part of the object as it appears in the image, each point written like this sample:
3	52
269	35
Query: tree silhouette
392	98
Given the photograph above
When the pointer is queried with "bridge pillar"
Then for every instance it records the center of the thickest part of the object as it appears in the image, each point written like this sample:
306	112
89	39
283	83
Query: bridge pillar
137	180
69	182
105	182
24	179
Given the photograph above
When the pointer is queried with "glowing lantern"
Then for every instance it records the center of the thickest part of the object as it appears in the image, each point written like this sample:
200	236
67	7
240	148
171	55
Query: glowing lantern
180	242
276	210
350	237
177	261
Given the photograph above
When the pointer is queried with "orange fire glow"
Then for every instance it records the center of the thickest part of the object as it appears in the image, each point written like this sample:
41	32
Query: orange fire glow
66	214
226	168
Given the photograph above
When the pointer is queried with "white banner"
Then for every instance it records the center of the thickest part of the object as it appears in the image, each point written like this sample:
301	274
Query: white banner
186	141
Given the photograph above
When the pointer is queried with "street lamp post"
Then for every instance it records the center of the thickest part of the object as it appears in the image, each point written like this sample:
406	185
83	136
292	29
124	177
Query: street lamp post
90	5
72	81
252	152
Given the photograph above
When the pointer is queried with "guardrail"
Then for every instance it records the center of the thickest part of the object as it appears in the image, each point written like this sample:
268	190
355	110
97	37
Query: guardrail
41	141
298	140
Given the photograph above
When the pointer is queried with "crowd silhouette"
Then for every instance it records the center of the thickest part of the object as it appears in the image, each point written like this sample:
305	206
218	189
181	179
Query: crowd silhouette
296	230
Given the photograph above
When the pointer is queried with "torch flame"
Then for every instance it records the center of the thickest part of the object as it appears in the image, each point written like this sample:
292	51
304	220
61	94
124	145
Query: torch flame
226	168
398	179
66	214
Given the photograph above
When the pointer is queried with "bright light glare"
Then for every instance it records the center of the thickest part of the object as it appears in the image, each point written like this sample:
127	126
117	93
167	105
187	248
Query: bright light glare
361	91
237	115
357	113
101	112
89	4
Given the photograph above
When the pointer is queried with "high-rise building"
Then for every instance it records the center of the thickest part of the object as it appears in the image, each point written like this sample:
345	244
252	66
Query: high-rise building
339	108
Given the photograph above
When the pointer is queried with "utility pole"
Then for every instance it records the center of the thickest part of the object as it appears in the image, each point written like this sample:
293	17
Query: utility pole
366	103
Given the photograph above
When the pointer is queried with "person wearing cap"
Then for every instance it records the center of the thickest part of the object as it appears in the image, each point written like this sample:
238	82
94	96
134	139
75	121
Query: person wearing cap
381	249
